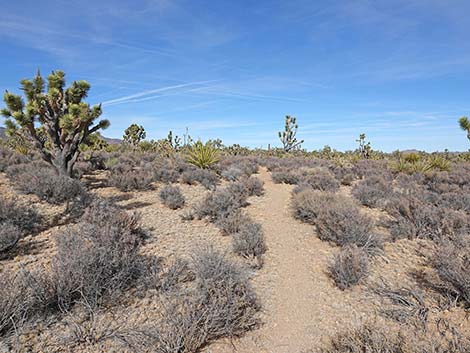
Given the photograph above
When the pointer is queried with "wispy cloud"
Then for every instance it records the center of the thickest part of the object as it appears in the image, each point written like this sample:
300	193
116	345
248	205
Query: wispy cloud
150	94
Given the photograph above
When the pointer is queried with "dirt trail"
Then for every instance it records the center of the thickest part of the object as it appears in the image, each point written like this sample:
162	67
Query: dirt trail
301	305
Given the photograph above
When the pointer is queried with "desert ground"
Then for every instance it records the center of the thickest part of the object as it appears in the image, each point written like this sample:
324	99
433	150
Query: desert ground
313	257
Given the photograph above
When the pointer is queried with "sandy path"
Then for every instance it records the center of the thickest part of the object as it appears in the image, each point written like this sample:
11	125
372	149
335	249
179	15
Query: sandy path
301	305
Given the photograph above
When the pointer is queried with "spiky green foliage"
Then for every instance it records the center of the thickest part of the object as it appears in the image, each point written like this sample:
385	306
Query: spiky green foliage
202	155
53	117
134	134
465	125
287	137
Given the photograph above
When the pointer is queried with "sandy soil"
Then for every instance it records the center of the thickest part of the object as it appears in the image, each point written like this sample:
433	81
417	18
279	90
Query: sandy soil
302	307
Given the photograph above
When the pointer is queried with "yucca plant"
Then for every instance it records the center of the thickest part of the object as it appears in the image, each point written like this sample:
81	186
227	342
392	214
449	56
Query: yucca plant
439	163
202	155
400	166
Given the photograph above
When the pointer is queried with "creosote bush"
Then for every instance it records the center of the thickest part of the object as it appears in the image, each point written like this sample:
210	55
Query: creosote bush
349	266
172	197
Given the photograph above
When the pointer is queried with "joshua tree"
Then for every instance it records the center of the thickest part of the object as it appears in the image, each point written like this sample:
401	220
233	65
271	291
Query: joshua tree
287	137
364	147
55	119
134	134
175	142
465	125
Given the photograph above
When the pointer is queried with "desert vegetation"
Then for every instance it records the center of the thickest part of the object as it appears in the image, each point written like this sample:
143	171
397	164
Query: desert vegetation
178	245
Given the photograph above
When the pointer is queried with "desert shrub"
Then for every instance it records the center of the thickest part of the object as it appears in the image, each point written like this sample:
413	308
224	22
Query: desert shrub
249	240
368	167
10	158
81	168
374	338
131	180
166	174
349	267
404	305
343	223
205	177
347	179
416	219
232	222
307	203
286	176
98	257
221	303
337	219
9	236
373	191
45	183
254	186
452	264
220	203
459	201
24	296
172	197
233	168
321	179
233	173
24	218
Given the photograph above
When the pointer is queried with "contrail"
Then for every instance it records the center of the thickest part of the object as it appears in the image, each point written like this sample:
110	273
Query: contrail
125	99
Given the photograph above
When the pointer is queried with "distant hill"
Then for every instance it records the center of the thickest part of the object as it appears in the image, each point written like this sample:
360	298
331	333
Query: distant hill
112	141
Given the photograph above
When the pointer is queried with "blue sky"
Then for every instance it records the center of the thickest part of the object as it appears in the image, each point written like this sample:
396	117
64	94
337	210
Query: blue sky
397	70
